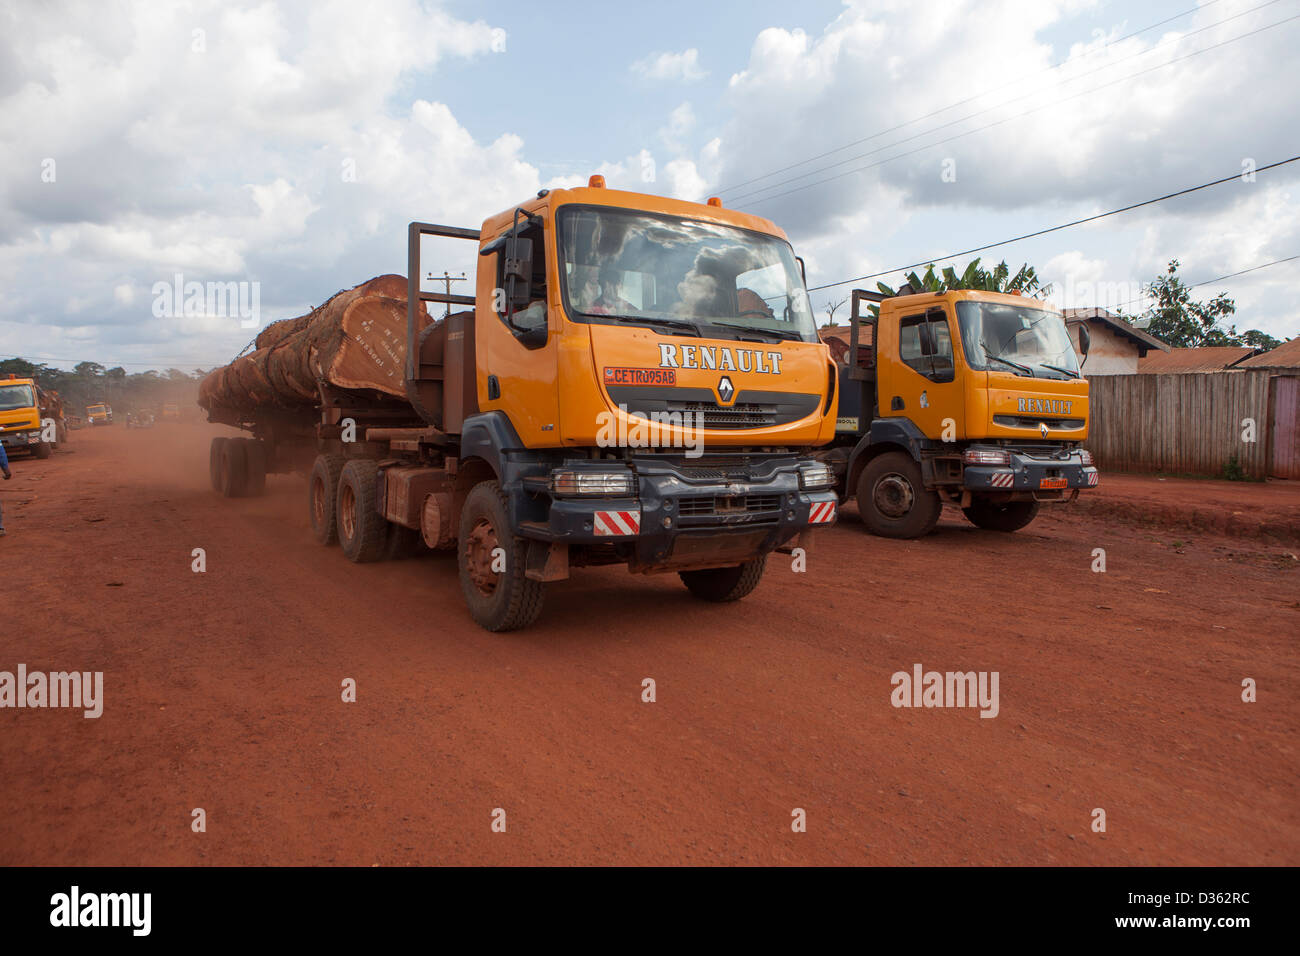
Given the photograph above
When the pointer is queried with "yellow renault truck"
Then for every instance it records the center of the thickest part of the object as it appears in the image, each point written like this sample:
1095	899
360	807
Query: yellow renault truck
966	397
99	414
636	380
20	417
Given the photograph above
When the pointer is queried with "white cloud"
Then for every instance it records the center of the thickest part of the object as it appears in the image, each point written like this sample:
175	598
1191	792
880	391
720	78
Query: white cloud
681	67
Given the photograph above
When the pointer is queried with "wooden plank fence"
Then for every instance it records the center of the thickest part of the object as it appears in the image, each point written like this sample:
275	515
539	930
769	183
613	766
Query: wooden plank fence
1187	423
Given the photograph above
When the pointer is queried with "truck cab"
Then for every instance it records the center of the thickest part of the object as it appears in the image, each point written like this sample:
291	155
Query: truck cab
20	417
967	397
647	386
99	414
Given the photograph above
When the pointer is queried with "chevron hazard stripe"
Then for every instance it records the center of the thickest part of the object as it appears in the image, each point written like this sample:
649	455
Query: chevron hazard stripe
822	512
1002	479
616	524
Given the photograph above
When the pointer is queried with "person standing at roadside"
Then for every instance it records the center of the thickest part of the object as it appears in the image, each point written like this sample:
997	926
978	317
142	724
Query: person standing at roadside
4	466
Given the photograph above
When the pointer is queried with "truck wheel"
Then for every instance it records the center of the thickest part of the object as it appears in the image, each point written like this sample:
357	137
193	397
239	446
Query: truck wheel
322	498
234	469
500	597
214	462
893	501
255	477
725	584
1001	516
363	531
43	450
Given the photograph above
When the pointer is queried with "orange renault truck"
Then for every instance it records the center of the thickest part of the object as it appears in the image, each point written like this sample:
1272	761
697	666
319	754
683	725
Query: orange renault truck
966	397
23	417
636	380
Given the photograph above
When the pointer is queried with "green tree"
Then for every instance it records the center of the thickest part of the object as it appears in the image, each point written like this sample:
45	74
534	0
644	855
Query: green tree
1180	321
1260	340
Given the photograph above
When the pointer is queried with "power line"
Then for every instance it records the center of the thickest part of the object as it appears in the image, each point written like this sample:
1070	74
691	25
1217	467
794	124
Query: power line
971	99
979	129
1043	232
1230	275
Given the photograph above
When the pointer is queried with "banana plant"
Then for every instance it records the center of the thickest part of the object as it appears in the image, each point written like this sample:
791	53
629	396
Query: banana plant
1000	279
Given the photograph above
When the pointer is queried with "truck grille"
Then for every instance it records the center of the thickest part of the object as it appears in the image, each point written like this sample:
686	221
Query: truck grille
727	509
1024	421
740	415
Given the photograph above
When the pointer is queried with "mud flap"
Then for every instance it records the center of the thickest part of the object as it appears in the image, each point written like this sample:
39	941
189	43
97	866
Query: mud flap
547	561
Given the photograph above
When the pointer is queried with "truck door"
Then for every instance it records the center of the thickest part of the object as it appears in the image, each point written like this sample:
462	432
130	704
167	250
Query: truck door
921	380
517	370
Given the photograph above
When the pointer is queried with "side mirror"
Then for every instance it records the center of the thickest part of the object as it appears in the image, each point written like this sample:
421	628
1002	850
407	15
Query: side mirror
1085	339
517	270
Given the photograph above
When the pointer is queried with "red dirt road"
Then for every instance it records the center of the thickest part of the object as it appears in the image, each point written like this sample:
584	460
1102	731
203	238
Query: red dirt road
1118	690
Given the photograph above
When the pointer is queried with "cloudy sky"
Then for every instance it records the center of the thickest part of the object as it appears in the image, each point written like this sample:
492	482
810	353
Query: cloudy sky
288	144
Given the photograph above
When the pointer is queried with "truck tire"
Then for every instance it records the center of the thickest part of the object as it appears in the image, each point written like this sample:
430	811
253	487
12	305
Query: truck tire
233	468
363	531
892	499
43	450
322	498
255	458
497	600
1001	516
724	584
214	462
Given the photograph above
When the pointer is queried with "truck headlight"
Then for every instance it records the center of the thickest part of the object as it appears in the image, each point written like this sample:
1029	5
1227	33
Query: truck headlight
986	456
1085	456
609	484
816	476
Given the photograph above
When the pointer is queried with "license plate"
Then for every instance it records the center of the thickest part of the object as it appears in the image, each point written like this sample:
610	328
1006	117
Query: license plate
1052	483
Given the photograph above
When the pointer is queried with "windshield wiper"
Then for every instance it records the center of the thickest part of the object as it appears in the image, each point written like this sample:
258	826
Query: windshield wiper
779	333
1063	371
653	321
998	358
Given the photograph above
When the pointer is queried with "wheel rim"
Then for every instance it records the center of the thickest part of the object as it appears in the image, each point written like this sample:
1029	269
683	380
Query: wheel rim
318	502
348	511
893	495
481	543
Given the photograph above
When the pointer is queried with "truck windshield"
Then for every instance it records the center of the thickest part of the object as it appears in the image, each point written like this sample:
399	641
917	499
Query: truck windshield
716	281
16	396
1018	339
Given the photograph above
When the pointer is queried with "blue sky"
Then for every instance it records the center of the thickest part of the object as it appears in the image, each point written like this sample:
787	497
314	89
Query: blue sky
208	138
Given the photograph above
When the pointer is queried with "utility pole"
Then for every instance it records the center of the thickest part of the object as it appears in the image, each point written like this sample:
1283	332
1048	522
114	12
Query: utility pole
446	279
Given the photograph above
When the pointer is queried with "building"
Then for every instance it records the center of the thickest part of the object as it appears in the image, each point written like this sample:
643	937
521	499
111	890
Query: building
1115	346
1206	359
1284	359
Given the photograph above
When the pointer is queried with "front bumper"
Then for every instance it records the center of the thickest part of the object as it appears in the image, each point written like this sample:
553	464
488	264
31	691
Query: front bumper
21	441
1032	473
689	516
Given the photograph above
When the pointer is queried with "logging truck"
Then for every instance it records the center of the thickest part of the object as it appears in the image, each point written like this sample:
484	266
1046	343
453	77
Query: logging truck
967	397
636	380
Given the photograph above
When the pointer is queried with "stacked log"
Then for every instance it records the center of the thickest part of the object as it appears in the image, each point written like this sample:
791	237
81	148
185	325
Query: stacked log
355	340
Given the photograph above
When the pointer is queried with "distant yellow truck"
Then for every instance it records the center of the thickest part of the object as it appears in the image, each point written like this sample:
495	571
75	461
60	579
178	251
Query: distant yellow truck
20	417
171	412
100	414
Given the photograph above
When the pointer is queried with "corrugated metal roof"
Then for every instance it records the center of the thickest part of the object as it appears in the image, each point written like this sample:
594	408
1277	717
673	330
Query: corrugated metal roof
1208	359
1286	355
